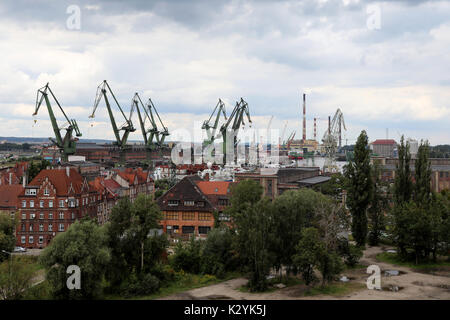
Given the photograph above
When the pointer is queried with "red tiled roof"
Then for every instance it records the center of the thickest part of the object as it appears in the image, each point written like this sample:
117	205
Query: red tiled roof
9	195
214	187
111	184
384	141
60	180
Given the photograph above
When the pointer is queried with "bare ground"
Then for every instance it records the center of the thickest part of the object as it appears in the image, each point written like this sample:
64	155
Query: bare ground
412	286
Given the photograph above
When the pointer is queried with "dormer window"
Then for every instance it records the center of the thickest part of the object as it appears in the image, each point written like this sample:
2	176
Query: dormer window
189	203
30	192
46	192
173	202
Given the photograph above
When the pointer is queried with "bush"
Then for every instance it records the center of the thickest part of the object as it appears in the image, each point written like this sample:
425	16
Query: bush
165	273
351	253
188	256
137	286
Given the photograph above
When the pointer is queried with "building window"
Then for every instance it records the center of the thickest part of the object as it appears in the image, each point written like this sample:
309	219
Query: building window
61	227
24	203
224	217
173	202
41	215
61	203
201	203
189	203
78	202
50	227
41	203
188	229
32	215
50	204
41	239
171	215
31	227
72	203
41	227
23	239
61	215
24	216
223	202
31	203
188	216
23	227
46	192
30	239
50	215
73	215
30	192
204	216
203	229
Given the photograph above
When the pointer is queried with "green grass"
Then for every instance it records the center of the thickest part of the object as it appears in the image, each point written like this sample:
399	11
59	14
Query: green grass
185	282
33	261
334	289
393	258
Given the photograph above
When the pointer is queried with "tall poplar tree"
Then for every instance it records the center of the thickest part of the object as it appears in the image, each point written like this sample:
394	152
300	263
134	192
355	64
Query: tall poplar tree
403	186
422	187
360	187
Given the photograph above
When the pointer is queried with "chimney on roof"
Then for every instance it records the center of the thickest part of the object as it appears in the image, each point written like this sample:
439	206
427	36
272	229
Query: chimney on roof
68	171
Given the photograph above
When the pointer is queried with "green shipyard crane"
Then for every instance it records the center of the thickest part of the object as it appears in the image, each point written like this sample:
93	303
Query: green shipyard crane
153	133
235	121
211	134
66	145
127	127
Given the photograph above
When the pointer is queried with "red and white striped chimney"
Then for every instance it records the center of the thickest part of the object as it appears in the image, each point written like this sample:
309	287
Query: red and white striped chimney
315	128
304	117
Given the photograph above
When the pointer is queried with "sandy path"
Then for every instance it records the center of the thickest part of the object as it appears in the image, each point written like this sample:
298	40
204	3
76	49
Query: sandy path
413	286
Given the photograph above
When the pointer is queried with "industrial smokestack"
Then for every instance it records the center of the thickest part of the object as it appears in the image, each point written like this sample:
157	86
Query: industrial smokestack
315	128
329	124
304	117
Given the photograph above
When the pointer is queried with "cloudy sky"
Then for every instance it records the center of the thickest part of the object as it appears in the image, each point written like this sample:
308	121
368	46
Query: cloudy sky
385	64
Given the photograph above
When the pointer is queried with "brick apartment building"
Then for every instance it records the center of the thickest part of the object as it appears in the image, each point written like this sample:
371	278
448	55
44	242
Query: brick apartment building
51	202
119	184
188	207
440	171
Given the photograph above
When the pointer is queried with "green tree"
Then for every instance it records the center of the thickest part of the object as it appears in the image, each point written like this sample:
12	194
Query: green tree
403	186
333	187
252	223
293	211
422	186
360	188
133	247
15	279
7	233
218	256
145	215
84	245
309	250
378	207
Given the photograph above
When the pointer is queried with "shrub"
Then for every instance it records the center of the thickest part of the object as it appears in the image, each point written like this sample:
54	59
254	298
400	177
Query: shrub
143	285
354	254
